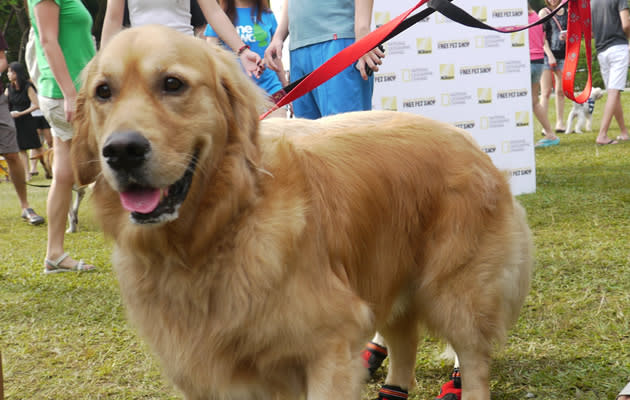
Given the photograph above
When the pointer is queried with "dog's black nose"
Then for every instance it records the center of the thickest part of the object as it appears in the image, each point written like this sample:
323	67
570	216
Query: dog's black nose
126	150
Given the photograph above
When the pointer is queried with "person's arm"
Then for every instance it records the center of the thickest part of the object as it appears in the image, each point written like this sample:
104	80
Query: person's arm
362	21
32	95
273	53
225	30
550	57
624	15
112	23
47	19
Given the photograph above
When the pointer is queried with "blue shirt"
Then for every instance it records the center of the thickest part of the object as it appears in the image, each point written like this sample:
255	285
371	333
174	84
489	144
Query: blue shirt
257	36
312	22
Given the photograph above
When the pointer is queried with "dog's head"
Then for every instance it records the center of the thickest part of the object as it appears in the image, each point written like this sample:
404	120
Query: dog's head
596	93
158	108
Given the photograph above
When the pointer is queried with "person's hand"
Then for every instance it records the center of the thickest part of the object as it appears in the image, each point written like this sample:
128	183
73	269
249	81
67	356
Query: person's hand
552	62
371	60
273	55
563	35
69	103
15	114
252	63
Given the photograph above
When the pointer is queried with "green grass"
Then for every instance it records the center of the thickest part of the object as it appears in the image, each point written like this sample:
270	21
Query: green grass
66	337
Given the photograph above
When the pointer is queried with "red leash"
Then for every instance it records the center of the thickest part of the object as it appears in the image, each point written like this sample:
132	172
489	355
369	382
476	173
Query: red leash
579	25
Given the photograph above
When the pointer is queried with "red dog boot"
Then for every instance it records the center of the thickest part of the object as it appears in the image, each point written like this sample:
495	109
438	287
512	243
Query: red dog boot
373	356
452	390
389	392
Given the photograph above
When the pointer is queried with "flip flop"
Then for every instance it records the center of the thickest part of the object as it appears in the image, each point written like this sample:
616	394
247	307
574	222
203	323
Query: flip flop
620	139
547	142
54	266
612	141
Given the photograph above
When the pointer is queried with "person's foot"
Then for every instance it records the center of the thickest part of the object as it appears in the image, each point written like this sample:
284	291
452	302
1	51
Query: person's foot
623	138
65	263
605	141
547	142
31	217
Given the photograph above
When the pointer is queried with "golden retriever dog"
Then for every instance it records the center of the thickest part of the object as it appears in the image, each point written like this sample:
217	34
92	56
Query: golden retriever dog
257	258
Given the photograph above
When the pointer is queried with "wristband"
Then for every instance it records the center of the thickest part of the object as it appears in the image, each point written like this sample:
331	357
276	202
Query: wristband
242	49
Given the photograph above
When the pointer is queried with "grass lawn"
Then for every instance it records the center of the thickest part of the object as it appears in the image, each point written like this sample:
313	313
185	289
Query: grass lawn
65	336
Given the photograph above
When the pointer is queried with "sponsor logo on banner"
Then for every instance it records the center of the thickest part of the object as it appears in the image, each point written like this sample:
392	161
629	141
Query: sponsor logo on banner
466	125
484	95
475	69
424	45
385	78
515	146
493	122
389	103
520	171
447	71
416	74
511	67
489	41
381	18
455	98
512	93
522	118
419	102
517	39
453	44
489	149
397	48
480	12
508	13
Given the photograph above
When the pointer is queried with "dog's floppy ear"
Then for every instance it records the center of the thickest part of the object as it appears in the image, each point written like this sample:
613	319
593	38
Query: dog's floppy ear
243	100
84	150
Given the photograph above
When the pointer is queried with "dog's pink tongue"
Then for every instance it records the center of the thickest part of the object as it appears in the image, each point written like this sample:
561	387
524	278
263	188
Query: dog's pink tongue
141	201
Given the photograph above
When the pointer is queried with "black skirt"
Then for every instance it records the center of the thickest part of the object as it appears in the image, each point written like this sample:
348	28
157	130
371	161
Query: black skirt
27	137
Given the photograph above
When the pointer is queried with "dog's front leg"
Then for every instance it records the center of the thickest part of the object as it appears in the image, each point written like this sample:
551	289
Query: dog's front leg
73	213
337	374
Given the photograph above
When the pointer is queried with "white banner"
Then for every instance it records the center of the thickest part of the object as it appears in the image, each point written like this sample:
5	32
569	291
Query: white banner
475	79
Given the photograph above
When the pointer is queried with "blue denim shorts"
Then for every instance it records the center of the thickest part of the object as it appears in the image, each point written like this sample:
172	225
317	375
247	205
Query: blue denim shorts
559	64
536	71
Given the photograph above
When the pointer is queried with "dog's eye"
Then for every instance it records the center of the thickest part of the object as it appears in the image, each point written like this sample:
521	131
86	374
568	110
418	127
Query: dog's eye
172	84
103	91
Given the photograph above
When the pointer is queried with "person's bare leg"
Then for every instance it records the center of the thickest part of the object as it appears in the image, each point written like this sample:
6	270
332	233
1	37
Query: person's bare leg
613	102
618	114
560	123
545	93
541	115
17	175
58	204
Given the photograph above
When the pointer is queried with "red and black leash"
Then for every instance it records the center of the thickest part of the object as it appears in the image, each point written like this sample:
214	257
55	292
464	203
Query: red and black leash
579	26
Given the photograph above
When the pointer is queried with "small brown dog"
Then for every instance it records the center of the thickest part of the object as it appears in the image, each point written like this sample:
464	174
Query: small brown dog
257	258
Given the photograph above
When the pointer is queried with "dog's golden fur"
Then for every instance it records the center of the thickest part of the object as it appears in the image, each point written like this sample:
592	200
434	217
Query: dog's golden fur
297	239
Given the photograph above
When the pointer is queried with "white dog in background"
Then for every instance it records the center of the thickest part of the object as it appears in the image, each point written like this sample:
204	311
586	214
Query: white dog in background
584	112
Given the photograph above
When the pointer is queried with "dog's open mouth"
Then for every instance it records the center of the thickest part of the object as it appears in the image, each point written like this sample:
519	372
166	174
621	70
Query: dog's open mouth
150	205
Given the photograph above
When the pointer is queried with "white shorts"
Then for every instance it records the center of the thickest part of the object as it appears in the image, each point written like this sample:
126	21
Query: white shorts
613	63
55	114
